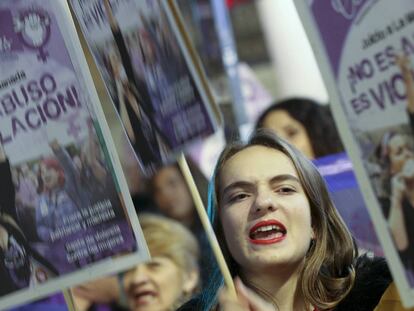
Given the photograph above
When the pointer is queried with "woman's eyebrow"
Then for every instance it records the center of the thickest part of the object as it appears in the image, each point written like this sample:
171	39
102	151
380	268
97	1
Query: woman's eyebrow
284	177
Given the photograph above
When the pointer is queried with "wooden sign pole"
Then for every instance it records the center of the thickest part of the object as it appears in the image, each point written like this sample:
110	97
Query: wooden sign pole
228	280
69	299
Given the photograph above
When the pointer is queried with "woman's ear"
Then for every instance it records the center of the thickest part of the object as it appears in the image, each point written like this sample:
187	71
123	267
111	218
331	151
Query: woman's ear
191	280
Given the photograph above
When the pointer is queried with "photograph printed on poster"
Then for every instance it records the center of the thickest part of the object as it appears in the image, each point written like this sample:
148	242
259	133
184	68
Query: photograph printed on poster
364	56
391	170
147	75
63	208
180	253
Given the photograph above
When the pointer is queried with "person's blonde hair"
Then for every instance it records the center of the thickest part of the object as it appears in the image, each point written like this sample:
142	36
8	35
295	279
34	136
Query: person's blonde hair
168	238
328	273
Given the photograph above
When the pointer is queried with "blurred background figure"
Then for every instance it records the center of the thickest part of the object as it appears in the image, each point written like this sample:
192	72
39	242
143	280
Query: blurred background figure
172	276
168	280
172	196
304	123
173	199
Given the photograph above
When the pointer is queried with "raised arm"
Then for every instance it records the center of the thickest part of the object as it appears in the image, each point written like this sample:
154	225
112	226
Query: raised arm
93	158
72	177
403	63
65	161
396	221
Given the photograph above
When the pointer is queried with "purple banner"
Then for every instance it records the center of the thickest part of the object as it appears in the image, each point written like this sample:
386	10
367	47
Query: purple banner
366	48
339	175
61	209
334	20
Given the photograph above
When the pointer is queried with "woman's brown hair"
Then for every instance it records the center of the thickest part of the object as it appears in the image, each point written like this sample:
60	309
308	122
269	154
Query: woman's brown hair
328	273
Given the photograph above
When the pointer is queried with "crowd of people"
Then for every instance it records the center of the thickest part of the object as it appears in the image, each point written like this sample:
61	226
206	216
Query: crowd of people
283	239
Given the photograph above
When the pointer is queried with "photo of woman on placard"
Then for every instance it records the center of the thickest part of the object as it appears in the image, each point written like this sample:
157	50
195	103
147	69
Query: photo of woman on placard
72	180
134	103
16	256
395	155
134	118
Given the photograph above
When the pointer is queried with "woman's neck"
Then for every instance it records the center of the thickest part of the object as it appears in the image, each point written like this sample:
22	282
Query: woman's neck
282	287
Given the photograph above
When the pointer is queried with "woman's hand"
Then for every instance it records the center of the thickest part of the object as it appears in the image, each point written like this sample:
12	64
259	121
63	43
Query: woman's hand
104	290
246	300
398	188
54	145
396	218
403	62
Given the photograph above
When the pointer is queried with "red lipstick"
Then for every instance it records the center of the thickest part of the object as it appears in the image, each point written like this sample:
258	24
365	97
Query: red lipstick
267	232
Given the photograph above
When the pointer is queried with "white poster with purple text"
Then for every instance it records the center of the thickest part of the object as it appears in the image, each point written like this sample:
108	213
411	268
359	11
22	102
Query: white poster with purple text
66	215
365	51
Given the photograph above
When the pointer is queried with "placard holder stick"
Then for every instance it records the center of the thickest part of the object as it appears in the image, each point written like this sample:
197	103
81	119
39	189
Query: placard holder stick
218	254
69	299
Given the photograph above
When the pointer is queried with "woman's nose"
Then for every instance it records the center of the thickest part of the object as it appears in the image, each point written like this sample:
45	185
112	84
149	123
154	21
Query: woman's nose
140	274
264	200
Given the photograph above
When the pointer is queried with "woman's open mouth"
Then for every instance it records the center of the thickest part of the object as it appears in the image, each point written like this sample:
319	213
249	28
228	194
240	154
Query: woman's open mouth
267	232
143	297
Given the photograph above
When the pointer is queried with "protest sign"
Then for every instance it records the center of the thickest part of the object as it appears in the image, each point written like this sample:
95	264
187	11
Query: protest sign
65	208
153	77
363	49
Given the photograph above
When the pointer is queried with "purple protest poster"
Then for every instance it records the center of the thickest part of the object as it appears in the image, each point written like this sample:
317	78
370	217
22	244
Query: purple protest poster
338	173
65	211
364	49
150	75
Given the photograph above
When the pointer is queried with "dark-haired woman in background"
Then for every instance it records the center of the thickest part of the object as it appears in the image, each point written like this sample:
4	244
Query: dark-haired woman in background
304	123
173	198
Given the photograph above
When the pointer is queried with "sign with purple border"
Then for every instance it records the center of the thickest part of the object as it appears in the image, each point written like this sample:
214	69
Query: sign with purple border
364	49
65	210
150	74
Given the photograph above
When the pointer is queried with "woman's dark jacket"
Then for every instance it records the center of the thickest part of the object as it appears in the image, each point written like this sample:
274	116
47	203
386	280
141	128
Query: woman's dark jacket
372	279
